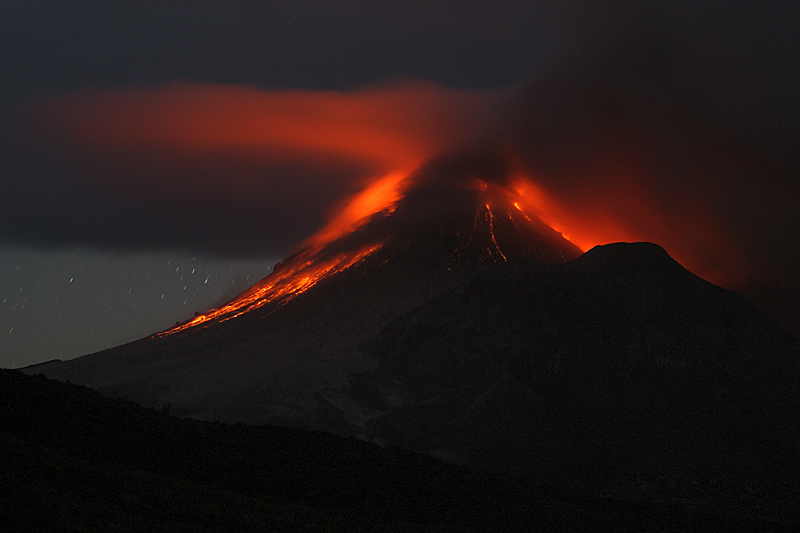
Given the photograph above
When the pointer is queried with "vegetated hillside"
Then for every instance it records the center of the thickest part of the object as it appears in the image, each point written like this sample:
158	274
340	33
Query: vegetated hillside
73	460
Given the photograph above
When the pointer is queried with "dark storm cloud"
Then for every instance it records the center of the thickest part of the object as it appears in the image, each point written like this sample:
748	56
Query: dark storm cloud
225	204
50	46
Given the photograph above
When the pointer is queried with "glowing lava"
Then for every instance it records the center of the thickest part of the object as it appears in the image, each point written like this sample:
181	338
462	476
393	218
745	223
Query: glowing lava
381	195
484	223
311	265
489	220
303	272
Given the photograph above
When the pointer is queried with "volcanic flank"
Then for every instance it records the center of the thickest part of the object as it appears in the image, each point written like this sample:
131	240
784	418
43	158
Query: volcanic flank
451	231
283	350
454	322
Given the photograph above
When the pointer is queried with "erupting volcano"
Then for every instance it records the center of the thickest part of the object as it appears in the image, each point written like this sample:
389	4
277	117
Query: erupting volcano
292	341
475	223
554	241
439	313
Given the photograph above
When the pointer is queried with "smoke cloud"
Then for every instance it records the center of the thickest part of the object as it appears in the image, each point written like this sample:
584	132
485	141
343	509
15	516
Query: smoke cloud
676	124
217	169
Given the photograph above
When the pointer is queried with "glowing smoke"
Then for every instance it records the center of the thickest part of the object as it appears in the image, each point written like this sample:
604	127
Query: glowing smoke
239	171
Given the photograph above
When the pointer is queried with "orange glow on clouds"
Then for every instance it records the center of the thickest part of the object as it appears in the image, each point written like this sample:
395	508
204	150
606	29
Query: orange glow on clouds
396	126
585	232
622	210
389	131
382	194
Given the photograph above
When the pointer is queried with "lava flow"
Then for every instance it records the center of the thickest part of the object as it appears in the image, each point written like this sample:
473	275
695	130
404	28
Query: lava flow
312	264
480	223
282	286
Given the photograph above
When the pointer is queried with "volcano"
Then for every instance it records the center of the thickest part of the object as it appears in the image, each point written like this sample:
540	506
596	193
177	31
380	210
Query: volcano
283	351
454	322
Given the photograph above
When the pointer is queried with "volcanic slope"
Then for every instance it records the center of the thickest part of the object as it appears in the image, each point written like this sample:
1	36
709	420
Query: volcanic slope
283	351
619	372
456	324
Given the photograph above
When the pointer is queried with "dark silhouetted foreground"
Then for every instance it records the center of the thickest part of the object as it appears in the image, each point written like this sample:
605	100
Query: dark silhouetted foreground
74	460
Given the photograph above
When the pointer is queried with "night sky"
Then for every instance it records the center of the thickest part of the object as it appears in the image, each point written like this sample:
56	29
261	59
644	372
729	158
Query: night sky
158	157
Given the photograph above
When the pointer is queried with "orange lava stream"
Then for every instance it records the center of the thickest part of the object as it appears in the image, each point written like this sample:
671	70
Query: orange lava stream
381	194
305	271
491	232
307	268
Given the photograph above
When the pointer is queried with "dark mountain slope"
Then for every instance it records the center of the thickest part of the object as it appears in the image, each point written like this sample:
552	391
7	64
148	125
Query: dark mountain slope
619	370
281	352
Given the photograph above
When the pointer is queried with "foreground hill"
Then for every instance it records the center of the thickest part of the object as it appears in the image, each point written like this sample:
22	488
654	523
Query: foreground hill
73	460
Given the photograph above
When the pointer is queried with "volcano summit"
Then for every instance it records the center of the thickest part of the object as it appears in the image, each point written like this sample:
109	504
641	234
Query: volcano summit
454	322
